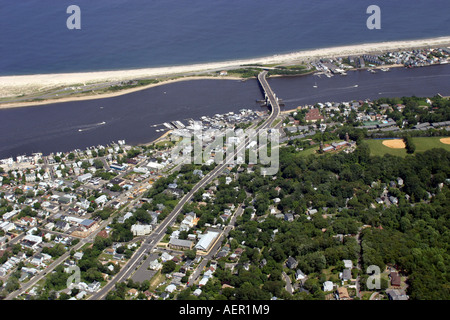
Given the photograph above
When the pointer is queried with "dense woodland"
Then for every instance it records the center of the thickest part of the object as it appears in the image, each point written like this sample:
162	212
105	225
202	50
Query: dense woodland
413	235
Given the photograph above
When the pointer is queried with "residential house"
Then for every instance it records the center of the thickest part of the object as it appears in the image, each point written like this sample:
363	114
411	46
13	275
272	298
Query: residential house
171	288
29	221
78	255
94	286
166	257
125	217
155	265
328	286
62	225
132	292
348	264
396	294
346	274
396	280
291	263
342	294
197	292
299	275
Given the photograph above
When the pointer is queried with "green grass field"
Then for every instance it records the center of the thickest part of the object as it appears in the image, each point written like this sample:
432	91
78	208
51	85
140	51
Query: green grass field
422	144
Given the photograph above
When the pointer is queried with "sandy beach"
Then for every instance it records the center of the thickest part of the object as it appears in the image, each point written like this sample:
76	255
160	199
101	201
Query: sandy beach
93	96
13	86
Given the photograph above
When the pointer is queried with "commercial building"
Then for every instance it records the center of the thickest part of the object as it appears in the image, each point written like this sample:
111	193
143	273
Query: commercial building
313	115
85	177
179	244
141	229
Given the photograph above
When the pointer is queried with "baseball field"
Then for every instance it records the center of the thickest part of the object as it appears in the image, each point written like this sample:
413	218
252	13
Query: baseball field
379	147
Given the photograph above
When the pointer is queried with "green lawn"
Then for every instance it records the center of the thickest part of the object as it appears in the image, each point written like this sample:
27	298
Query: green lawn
422	144
313	150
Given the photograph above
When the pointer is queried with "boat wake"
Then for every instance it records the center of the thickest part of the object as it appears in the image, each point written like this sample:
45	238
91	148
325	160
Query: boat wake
90	126
345	88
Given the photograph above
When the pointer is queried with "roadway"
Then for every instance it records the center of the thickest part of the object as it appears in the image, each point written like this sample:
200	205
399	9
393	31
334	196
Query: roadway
25	286
213	251
272	99
156	236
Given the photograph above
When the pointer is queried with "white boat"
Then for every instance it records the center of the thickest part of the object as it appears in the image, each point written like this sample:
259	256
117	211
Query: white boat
356	86
315	85
384	69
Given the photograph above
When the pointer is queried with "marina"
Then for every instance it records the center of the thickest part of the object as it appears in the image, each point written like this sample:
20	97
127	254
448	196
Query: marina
79	124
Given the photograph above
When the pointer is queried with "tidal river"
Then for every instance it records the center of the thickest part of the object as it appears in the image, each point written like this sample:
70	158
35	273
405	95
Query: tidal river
80	124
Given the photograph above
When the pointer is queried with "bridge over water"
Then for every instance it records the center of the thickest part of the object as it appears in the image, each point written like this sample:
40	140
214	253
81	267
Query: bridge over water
271	98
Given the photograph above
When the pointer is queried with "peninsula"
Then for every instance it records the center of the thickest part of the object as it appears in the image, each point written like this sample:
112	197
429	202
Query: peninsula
18	90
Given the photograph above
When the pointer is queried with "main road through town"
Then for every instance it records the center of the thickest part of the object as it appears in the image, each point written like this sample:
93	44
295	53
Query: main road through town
156	236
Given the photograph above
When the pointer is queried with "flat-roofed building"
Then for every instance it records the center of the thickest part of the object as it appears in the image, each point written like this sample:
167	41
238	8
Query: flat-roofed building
31	241
84	177
141	229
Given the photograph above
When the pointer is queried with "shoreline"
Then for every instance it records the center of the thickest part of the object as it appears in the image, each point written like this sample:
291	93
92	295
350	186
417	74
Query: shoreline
117	93
14	86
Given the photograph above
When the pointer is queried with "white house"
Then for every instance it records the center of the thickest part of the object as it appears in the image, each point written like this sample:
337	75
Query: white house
101	200
155	265
328	286
348	264
166	257
203	281
197	292
94	286
37	260
78	255
171	288
125	217
299	275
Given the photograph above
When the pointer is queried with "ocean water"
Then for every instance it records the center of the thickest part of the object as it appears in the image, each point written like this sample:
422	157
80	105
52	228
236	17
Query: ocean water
127	34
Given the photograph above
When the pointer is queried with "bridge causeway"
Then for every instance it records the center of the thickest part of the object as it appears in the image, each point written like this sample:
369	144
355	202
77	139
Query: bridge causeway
271	98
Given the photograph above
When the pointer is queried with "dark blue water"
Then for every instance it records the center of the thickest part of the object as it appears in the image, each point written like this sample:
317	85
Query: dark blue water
124	34
56	127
